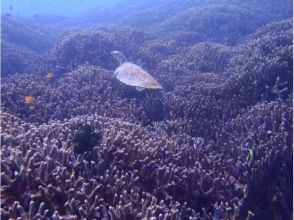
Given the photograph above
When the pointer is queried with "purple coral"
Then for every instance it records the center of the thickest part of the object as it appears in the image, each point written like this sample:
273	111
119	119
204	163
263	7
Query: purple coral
216	144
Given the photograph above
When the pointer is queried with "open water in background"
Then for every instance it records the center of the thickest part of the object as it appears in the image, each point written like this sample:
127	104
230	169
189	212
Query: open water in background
30	8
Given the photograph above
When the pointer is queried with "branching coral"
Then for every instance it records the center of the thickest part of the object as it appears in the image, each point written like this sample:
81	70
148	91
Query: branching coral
132	164
267	130
264	66
22	32
19	59
202	57
94	47
217	23
215	144
52	177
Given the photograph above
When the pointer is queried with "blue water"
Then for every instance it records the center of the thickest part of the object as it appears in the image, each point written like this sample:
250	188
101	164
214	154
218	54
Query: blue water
60	7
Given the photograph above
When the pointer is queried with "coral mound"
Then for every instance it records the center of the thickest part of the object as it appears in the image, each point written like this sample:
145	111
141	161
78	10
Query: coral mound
94	47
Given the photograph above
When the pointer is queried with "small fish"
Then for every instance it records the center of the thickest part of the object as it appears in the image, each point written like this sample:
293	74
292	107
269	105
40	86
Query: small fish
250	155
29	100
245	192
50	75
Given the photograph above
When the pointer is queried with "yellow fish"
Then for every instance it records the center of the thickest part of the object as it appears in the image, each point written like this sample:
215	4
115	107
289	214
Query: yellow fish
50	75
29	100
250	155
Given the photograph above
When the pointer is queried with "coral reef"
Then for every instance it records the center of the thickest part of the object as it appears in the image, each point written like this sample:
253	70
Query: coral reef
216	143
153	14
217	23
23	46
201	57
266	129
99	92
17	59
24	33
134	174
263	67
94	47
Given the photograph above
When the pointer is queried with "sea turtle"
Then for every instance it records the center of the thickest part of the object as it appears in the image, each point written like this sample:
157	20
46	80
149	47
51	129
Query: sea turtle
133	75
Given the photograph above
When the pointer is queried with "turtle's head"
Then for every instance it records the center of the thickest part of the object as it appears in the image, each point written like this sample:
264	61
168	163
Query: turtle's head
119	56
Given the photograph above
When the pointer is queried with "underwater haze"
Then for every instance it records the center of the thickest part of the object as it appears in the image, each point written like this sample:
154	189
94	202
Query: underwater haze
147	109
29	8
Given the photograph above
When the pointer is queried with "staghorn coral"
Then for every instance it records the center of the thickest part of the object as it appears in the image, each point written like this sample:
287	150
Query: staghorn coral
19	59
202	57
24	33
218	23
94	47
99	93
162	12
263	68
266	129
23	46
152	52
46	174
200	100
134	174
215	144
